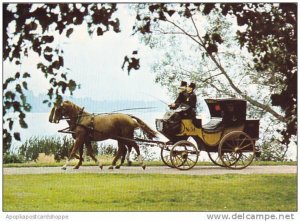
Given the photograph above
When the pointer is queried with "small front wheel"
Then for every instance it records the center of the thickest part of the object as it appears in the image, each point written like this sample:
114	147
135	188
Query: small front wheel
165	156
184	155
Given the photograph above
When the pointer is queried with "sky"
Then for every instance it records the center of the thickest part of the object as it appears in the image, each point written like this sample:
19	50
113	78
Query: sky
95	63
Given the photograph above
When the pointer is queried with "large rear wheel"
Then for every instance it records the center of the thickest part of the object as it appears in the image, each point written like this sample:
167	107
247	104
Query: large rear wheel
236	150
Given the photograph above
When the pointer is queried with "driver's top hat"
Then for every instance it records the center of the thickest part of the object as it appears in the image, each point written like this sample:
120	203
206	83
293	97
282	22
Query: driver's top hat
183	84
192	85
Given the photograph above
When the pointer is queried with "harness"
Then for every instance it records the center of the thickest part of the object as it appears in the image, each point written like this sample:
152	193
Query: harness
91	127
70	129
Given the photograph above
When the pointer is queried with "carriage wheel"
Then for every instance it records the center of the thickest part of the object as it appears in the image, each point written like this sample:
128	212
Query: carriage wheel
165	156
214	157
184	155
236	150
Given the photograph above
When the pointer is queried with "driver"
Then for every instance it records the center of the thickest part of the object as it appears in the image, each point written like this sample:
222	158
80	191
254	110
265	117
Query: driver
181	96
187	98
191	100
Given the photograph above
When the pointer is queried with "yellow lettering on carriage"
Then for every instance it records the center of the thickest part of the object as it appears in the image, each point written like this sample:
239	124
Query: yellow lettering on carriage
190	129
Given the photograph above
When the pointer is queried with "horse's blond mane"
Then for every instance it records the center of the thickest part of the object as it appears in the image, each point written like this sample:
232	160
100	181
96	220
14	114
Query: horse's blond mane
72	106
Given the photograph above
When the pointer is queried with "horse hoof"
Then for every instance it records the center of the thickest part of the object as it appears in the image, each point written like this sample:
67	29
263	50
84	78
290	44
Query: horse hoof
111	167
101	167
64	168
144	167
129	163
117	167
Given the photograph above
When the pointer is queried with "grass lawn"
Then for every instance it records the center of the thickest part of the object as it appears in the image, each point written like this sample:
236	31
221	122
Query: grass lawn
149	192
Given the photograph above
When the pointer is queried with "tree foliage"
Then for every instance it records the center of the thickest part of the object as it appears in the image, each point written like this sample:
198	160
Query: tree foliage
267	31
33	28
271	36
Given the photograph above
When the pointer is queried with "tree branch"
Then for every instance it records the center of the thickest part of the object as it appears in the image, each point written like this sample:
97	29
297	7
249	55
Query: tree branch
233	86
246	97
171	33
181	29
197	31
264	107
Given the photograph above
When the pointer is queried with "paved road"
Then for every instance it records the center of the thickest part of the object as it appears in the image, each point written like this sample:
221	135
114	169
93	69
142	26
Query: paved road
198	170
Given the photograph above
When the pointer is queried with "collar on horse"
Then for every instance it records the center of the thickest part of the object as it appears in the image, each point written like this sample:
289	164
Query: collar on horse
70	128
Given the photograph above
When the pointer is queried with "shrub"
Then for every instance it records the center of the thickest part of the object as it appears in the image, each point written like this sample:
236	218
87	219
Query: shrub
106	149
59	147
63	148
12	158
276	153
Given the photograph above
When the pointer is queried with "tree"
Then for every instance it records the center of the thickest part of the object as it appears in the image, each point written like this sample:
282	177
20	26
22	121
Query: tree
270	46
271	36
33	28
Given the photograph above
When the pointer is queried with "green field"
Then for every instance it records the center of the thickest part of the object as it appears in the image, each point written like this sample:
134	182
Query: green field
149	192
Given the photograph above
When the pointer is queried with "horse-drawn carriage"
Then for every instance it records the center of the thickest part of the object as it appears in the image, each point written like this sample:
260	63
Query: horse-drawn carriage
228	138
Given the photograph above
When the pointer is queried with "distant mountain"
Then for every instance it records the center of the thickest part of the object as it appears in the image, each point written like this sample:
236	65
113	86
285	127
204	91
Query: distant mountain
93	106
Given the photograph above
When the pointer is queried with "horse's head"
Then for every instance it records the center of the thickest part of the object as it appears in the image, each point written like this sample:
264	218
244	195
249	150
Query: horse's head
59	111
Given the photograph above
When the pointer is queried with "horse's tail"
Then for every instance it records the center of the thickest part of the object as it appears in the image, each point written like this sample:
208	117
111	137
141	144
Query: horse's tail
146	129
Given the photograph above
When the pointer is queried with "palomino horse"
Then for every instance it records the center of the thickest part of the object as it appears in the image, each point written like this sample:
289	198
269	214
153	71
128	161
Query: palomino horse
88	127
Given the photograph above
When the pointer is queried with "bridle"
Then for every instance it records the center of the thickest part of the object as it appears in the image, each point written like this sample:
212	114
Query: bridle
64	112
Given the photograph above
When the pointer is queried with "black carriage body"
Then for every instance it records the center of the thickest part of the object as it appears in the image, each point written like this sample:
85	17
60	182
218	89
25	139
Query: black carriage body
225	114
231	111
228	138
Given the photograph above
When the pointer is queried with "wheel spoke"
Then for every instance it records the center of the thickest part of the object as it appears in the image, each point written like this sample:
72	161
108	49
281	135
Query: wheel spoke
178	159
183	153
248	157
242	141
188	163
227	157
189	159
234	147
247	145
233	156
230	144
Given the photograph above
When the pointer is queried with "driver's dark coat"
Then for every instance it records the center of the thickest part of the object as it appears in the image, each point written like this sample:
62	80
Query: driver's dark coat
190	100
180	99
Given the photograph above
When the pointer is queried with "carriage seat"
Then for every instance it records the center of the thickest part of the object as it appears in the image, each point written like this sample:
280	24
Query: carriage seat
213	125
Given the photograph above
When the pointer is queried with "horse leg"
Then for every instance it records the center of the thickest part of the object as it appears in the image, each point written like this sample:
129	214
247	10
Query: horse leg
140	159
129	148
78	144
118	155
79	157
75	155
123	155
90	153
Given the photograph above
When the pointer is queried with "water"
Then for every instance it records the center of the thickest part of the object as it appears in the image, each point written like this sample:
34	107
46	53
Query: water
39	126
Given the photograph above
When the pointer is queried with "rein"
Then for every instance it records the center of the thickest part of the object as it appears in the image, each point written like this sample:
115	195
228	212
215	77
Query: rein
66	130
